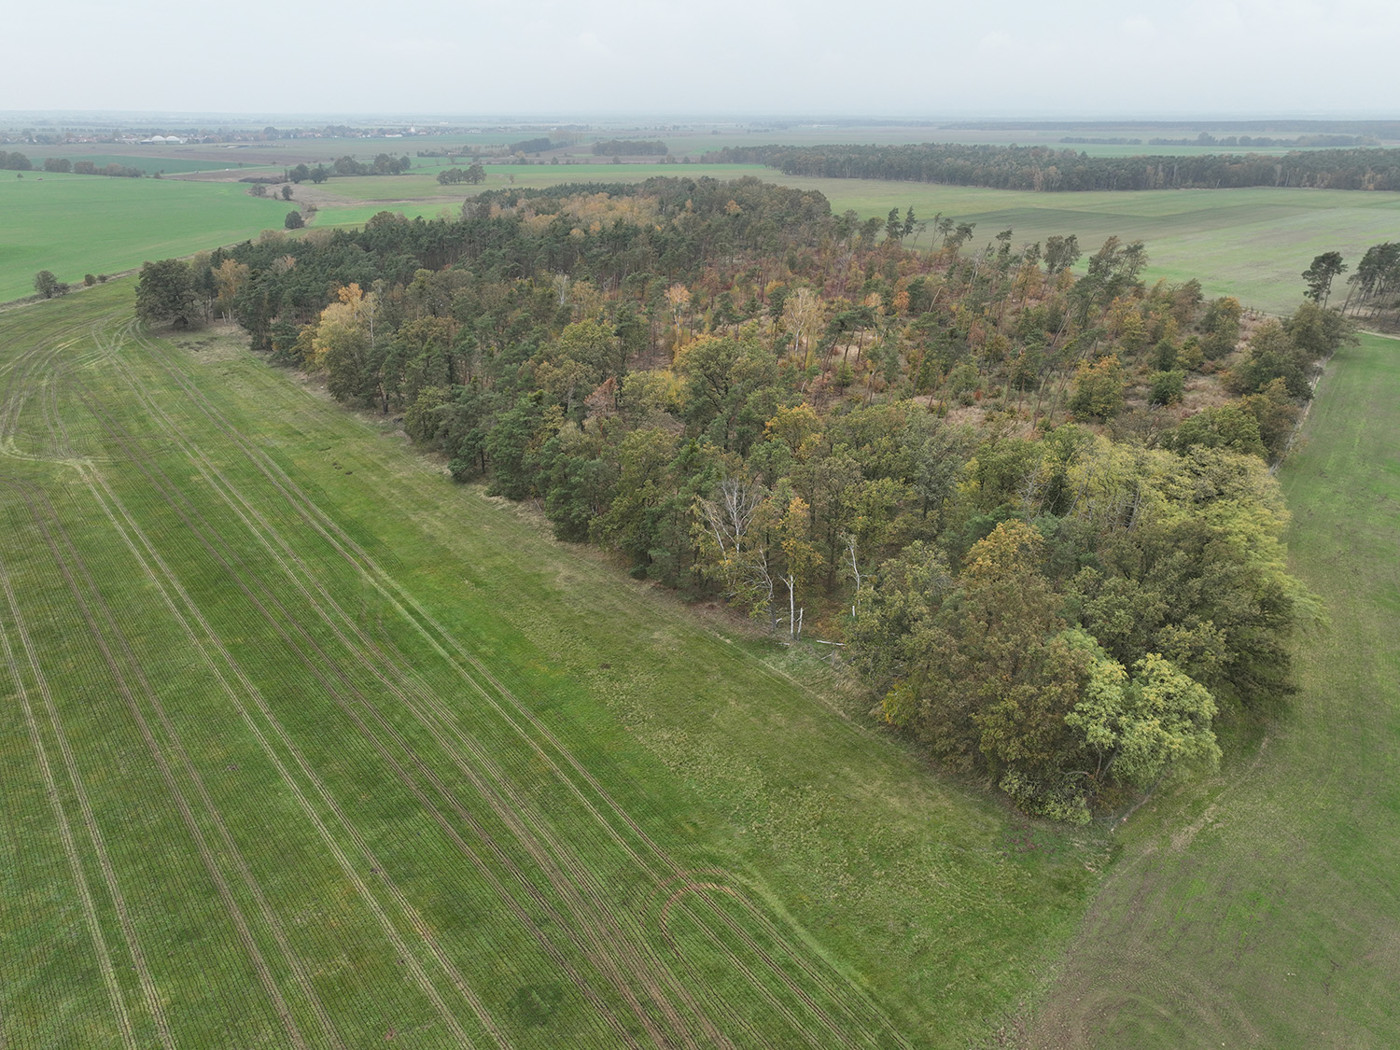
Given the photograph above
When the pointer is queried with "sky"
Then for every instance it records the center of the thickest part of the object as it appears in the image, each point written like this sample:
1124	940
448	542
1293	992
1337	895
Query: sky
918	59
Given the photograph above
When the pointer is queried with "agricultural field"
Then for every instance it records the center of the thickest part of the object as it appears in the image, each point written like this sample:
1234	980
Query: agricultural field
1259	908
79	224
303	745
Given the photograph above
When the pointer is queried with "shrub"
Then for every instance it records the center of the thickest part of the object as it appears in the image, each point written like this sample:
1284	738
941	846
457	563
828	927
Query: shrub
1168	387
47	285
1098	390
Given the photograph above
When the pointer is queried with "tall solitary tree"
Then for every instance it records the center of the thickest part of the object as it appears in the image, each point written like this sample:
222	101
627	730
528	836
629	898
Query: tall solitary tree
1319	276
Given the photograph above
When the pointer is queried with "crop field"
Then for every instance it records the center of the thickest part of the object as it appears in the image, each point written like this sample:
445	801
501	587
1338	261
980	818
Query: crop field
79	224
303	746
1260	908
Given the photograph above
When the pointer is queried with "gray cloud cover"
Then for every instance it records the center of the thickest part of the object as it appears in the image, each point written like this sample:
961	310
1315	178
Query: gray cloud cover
889	58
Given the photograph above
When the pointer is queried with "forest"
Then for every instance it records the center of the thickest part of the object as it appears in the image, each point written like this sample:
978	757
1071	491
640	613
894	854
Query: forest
1025	494
1043	168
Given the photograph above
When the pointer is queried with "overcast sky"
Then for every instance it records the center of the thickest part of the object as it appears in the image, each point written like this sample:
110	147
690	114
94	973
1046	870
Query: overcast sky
898	58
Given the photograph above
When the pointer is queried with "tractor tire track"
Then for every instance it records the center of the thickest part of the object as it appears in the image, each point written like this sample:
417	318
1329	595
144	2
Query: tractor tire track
350	550
65	830
97	615
612	947
185	611
314	657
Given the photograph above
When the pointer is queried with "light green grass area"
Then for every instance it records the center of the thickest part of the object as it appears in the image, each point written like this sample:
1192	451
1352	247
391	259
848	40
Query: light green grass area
79	224
1260	908
301	744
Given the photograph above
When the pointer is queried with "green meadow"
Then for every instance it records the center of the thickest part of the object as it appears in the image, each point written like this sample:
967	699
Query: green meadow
1259	908
304	745
80	224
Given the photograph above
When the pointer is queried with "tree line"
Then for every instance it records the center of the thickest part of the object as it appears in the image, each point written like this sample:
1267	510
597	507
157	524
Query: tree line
630	148
14	161
975	469
382	164
1043	168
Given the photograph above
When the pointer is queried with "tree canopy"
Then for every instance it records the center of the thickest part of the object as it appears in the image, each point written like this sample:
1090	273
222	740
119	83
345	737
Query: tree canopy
976	469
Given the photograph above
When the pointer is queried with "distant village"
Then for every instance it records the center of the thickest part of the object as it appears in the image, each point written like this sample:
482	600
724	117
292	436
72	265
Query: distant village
37	136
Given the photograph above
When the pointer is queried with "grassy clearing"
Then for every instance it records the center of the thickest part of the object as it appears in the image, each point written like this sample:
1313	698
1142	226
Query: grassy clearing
1260	909
79	224
289	762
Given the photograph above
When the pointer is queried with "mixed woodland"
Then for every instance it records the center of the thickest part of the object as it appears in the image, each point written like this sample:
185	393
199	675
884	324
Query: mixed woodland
1025	494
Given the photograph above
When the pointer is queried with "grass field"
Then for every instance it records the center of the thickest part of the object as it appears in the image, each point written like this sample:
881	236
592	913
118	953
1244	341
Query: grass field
1261	909
79	224
302	745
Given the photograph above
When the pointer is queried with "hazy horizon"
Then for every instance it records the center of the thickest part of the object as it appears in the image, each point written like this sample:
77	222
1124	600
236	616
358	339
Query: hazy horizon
895	59
425	121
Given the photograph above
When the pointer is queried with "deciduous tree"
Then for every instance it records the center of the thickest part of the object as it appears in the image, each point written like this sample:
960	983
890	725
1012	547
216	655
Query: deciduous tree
165	294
